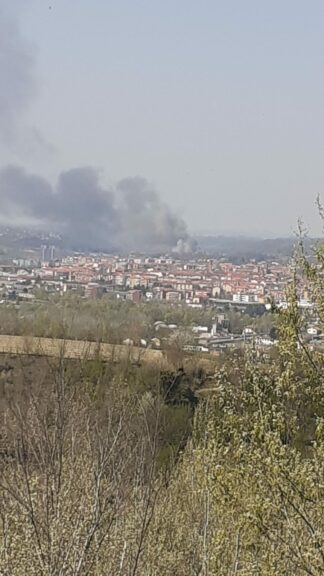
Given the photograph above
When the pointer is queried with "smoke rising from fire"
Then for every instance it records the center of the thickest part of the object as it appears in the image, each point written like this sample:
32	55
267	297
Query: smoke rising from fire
89	215
86	213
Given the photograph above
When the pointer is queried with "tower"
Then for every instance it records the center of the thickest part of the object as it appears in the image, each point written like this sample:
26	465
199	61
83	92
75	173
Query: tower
52	253
43	252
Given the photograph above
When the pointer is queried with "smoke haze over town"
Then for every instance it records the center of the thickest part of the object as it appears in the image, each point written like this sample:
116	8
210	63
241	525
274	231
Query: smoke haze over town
86	213
75	98
90	216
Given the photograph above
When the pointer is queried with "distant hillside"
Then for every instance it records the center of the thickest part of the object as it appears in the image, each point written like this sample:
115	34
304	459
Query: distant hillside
245	248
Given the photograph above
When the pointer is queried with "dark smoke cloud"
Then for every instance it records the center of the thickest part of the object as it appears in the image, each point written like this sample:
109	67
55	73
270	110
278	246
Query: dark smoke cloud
90	216
16	75
145	218
86	214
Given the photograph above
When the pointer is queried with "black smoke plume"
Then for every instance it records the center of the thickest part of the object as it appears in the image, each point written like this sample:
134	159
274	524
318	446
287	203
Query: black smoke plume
88	215
16	75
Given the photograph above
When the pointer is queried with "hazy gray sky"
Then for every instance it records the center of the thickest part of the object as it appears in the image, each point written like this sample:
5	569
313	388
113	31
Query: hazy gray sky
219	104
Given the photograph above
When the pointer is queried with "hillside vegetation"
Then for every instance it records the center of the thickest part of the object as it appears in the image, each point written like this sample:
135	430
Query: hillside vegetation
104	471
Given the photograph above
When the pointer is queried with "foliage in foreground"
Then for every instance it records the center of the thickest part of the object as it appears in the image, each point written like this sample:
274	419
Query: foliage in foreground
82	493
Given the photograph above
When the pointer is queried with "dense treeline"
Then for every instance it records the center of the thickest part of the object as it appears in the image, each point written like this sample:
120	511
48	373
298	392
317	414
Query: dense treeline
111	320
86	486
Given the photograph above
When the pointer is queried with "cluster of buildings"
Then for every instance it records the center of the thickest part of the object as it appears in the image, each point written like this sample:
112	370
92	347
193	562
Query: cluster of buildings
196	283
